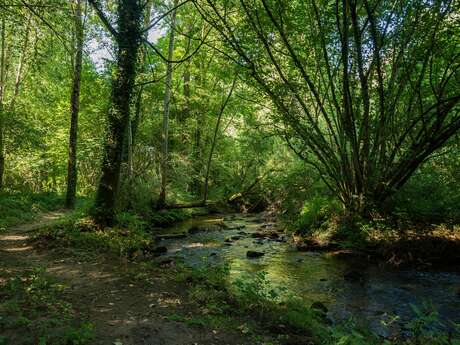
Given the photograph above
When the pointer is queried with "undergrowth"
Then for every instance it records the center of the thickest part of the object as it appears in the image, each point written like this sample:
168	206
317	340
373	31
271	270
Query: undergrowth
22	207
283	314
33	311
131	236
83	234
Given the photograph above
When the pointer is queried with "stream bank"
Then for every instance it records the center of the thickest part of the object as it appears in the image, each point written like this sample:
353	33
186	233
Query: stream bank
376	296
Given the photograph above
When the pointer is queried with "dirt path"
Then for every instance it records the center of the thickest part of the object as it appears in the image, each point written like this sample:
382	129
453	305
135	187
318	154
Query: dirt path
123	309
14	240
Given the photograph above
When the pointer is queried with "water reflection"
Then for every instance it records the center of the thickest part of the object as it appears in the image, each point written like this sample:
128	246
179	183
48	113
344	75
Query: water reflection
379	294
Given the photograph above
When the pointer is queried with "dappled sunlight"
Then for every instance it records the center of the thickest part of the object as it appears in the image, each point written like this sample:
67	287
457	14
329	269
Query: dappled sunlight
13	238
165	302
201	245
18	249
14	243
237	172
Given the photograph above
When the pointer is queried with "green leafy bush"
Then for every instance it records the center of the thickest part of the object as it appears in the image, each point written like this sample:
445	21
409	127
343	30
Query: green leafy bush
432	194
84	235
315	213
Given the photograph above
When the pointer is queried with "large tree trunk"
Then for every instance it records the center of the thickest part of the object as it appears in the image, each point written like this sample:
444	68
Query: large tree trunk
167	98
74	108
128	39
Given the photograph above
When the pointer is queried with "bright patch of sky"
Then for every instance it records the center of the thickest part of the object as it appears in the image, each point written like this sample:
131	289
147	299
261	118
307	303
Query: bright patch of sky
100	48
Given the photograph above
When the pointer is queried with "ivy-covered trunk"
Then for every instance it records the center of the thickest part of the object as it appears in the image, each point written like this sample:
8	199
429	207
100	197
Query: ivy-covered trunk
128	39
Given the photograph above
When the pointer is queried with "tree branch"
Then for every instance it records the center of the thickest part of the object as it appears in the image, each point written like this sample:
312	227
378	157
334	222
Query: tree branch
103	18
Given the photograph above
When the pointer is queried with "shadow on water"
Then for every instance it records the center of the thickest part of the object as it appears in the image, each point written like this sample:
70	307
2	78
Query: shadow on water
377	294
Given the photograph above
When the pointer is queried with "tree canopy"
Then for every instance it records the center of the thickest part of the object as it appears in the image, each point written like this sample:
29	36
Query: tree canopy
363	92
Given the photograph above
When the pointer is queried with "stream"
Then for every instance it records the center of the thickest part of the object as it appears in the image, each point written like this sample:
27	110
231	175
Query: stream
371	294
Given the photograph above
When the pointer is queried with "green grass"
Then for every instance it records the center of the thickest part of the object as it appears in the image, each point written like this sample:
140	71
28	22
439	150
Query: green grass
33	311
83	235
23	207
16	208
131	236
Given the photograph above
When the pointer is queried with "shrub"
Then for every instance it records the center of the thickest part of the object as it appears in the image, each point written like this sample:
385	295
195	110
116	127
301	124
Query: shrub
315	213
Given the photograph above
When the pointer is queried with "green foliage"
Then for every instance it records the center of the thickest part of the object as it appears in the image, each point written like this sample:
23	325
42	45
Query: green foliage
254	297
82	234
131	236
131	221
22	207
255	292
315	213
432	194
168	217
34	312
427	328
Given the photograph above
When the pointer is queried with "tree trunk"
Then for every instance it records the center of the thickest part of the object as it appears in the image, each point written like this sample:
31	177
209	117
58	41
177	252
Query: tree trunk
136	118
2	93
137	115
128	39
74	108
130	151
167	98
197	164
186	112
214	140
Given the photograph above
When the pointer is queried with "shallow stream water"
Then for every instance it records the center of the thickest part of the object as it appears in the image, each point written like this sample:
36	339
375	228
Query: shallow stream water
378	295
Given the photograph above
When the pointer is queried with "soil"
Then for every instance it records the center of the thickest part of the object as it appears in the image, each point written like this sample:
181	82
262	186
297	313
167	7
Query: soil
102	289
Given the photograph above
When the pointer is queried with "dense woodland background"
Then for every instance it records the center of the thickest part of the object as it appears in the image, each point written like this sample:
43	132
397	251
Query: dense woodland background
298	106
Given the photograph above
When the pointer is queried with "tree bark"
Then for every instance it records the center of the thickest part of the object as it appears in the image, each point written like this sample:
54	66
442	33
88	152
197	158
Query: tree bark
136	119
74	108
167	98
197	156
214	140
128	40
2	94
186	111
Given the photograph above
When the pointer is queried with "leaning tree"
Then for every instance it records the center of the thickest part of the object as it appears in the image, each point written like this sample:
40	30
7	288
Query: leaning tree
366	90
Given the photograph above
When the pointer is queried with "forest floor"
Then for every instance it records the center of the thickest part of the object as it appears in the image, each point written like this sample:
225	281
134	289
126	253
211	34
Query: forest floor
103	290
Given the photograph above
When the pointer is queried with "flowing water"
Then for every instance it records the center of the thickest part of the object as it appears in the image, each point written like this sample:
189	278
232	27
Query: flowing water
374	295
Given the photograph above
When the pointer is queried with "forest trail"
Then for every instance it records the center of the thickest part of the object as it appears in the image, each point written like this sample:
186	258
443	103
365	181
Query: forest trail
15	238
103	290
